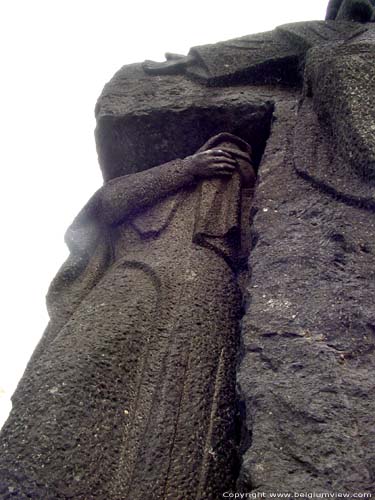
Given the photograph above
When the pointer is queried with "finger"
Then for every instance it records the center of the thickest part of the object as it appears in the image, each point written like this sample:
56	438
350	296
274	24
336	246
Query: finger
224	168
226	161
217	152
222	153
223	173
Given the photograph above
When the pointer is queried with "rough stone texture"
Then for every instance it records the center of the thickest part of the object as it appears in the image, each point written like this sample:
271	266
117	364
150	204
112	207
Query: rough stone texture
263	57
134	396
355	10
302	97
275	57
341	80
144	121
351	10
332	9
306	374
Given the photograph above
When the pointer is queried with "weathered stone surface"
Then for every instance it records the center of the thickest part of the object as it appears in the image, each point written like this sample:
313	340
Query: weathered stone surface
261	58
332	9
351	10
307	371
144	121
134	397
305	380
307	368
274	57
319	33
341	81
355	10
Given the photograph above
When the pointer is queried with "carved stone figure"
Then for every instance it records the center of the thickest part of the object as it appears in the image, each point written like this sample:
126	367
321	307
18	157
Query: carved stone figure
143	386
147	350
351	10
272	57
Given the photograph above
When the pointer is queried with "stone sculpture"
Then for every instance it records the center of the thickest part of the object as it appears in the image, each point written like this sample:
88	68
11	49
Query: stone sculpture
283	401
155	336
351	10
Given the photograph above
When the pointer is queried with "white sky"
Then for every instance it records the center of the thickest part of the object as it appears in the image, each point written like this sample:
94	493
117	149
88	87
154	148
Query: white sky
56	57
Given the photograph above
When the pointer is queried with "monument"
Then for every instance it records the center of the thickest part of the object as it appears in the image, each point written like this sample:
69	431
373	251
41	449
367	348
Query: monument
213	329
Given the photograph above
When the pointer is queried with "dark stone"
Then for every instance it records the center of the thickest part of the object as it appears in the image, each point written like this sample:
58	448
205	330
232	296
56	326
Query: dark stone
274	57
361	11
332	9
355	10
145	121
176	114
131	392
261	58
306	374
341	81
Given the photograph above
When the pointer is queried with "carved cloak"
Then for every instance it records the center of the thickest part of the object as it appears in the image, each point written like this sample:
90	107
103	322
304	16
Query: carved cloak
137	371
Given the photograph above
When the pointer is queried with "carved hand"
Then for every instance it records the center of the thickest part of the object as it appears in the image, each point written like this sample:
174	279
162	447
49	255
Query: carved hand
124	195
210	163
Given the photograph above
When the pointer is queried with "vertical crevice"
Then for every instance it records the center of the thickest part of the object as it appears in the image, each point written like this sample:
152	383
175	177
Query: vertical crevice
242	430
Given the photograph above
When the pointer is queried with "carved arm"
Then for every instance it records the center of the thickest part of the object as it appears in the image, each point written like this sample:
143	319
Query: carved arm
128	194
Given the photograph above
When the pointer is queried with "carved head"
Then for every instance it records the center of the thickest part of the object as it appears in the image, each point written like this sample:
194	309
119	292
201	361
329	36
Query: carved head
361	11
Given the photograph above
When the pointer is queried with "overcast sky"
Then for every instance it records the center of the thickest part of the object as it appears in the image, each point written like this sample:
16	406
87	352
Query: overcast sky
57	55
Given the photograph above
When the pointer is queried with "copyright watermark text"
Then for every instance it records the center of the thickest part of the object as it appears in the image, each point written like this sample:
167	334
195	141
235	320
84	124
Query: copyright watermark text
295	495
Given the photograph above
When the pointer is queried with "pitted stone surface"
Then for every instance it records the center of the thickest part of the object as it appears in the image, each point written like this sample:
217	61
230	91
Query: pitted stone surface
340	80
132	394
144	121
307	371
132	388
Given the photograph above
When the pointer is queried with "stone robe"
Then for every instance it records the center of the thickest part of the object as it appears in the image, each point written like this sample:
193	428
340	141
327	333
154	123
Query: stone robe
134	395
